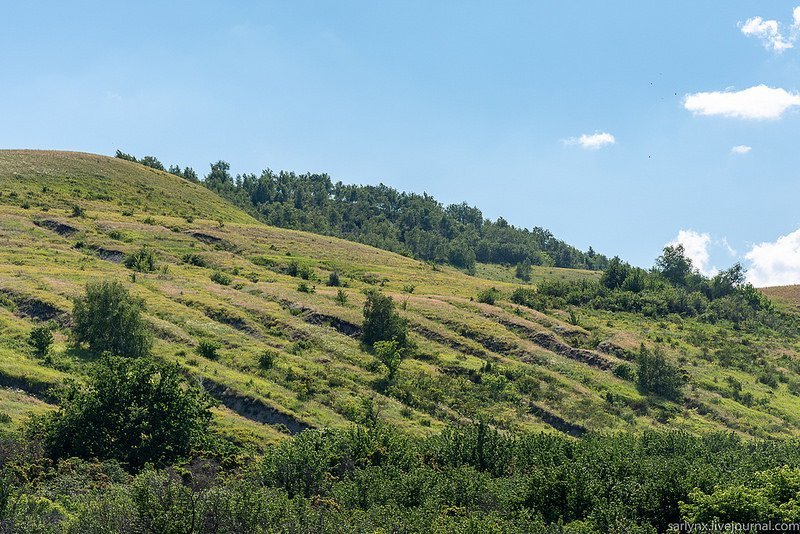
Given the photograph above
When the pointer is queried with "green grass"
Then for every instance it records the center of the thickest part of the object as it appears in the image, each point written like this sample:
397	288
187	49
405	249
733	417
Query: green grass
321	376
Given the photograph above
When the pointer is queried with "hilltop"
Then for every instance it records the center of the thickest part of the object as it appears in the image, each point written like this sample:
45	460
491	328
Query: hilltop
70	218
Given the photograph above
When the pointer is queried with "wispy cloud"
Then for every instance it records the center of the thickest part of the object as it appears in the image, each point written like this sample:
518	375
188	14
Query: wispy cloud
741	149
593	141
775	263
770	34
758	103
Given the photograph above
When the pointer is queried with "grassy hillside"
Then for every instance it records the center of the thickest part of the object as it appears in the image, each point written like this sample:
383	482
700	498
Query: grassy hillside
67	219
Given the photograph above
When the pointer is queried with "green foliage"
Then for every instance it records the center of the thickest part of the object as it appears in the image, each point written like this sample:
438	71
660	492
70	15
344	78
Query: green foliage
41	339
266	360
380	216
221	278
524	270
656	375
771	495
143	260
333	279
488	296
208	349
305	287
77	211
195	259
341	297
135	411
109	319
382	322
390	353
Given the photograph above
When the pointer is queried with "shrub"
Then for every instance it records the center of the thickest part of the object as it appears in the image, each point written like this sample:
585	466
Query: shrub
304	287
77	211
208	349
390	354
41	339
341	297
266	359
143	260
195	259
524	270
221	278
488	296
108	318
381	321
624	371
656	375
333	279
134	411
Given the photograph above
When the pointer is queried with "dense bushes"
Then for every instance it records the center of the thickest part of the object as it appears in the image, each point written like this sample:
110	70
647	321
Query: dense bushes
673	286
471	479
135	411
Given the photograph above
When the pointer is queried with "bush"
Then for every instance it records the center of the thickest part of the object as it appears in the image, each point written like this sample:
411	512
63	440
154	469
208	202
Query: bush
390	354
333	279
208	349
221	278
41	339
109	319
304	287
341	297
266	359
524	270
133	411
656	375
488	296
143	260
382	322
195	259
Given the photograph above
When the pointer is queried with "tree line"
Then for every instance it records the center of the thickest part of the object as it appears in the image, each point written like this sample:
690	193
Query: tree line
407	223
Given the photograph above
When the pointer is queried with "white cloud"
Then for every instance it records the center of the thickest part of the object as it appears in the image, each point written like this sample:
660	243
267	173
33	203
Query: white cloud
775	263
769	32
696	246
759	102
796	16
593	141
741	149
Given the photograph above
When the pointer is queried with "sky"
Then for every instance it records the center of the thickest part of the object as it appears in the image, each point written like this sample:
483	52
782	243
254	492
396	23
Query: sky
624	126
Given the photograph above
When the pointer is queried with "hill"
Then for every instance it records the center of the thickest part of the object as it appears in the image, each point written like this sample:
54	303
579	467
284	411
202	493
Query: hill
679	386
516	366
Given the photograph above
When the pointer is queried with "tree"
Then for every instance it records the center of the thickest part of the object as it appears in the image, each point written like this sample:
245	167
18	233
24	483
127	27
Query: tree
523	271
390	354
219	174
41	338
615	274
382	322
152	162
108	318
674	265
135	411
656	375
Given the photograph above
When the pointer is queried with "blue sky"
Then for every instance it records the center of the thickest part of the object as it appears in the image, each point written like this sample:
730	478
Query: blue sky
501	104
